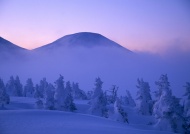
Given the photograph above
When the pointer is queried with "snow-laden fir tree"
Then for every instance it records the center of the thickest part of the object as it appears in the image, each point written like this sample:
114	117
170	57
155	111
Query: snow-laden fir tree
119	113
98	102
14	87
42	86
77	92
4	97
143	98
18	87
167	109
187	100
59	95
69	104
28	88
187	106
10	86
113	94
49	97
37	95
128	100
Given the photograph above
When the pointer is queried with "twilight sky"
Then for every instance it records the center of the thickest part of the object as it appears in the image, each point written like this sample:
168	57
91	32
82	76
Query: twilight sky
142	25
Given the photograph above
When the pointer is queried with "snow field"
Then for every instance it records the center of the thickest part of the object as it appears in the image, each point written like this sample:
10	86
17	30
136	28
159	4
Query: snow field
21	118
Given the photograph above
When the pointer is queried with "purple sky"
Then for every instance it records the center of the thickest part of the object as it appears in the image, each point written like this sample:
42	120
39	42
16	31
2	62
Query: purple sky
148	25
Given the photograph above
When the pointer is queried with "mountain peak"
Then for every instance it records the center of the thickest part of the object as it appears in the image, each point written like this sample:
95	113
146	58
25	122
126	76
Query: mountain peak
82	39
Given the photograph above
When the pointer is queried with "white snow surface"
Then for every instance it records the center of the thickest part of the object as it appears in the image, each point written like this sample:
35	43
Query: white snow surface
20	117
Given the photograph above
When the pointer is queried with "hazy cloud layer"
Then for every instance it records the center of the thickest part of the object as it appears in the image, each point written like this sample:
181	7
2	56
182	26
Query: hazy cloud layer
114	66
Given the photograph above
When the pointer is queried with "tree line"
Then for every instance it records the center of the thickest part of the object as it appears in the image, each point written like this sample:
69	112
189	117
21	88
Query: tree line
168	110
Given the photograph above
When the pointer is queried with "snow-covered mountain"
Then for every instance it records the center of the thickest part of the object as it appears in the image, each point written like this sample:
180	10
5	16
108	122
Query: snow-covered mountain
82	39
6	45
79	57
82	46
9	50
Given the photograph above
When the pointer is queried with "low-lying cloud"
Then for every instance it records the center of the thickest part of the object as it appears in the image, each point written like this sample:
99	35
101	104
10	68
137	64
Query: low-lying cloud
114	66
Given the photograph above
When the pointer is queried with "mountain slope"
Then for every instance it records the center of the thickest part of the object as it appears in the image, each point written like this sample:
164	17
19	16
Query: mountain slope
6	45
9	50
82	39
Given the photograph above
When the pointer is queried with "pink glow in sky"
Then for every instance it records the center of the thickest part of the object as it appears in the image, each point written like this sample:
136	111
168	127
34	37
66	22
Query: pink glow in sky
149	25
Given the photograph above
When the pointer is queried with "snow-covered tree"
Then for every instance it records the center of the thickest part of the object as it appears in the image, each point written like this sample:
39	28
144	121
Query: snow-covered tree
163	86
119	113
42	86
18	87
77	92
69	105
98	103
113	94
187	106
4	97
187	100
49	97
63	96
37	95
59	93
10	86
143	99
128	100
28	88
167	109
14	87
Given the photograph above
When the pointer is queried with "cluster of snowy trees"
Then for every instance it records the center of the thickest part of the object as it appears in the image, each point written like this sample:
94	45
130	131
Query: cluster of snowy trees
169	111
48	96
58	96
105	105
